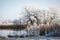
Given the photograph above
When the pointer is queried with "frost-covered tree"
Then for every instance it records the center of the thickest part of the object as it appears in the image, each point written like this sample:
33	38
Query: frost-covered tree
41	18
37	16
33	15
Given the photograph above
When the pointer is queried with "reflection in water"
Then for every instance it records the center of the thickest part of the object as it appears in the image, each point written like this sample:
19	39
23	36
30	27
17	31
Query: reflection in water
19	33
9	32
5	32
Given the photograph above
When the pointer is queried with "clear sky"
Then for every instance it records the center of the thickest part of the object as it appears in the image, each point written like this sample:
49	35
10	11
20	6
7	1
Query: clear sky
10	9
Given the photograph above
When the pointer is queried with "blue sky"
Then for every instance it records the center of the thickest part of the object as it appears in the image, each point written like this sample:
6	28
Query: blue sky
10	9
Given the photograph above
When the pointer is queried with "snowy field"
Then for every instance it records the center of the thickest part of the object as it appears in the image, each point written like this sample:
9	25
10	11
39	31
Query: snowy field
33	38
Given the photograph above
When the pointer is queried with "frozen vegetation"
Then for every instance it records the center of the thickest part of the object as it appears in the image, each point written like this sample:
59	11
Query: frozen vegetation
40	22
